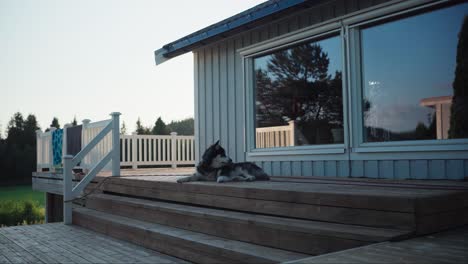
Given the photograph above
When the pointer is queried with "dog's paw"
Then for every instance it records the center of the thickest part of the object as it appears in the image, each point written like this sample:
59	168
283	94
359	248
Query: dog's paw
182	180
250	178
222	179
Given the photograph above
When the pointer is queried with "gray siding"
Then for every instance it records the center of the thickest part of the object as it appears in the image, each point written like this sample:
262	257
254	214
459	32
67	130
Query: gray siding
220	108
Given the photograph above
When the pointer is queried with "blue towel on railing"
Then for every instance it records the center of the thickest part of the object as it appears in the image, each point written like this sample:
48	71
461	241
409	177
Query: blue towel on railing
57	144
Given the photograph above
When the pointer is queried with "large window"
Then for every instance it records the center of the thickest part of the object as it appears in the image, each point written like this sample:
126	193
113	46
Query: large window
298	95
415	83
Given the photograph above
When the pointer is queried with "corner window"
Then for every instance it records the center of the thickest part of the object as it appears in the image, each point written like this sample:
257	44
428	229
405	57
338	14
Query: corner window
298	95
414	73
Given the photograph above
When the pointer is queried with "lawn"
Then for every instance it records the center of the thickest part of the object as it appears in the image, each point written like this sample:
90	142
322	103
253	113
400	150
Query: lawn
21	193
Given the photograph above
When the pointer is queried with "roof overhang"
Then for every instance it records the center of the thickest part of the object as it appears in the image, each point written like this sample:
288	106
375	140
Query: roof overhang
248	19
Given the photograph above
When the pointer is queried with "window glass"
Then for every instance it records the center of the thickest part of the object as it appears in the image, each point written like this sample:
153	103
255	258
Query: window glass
413	86
298	95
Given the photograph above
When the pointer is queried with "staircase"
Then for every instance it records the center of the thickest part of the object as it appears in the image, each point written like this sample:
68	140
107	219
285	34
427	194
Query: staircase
260	222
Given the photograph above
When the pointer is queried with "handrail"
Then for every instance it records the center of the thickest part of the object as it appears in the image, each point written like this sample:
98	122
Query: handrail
91	144
70	193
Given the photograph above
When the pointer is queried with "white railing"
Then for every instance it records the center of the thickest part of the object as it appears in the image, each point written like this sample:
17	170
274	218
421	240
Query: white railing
44	150
90	131
69	162
135	150
149	150
276	136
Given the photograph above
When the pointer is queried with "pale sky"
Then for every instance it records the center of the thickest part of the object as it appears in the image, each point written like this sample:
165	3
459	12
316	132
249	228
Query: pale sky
88	58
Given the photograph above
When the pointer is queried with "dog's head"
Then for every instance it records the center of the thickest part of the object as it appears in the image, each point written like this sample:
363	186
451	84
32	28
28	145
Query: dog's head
215	156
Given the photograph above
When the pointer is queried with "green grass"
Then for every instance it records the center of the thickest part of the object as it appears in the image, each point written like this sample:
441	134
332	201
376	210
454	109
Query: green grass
21	193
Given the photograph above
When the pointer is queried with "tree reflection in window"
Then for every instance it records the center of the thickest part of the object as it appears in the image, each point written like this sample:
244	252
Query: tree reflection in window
300	87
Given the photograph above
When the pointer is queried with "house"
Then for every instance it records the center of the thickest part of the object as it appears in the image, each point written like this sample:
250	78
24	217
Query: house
348	79
302	88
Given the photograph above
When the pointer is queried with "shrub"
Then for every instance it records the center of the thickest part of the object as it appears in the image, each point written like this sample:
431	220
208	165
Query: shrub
20	213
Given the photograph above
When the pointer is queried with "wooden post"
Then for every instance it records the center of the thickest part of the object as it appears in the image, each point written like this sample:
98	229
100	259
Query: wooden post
174	149
51	149
292	128
39	151
134	150
115	143
46	209
64	140
67	189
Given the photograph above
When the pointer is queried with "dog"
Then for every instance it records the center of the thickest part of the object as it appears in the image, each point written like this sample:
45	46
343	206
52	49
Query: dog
216	166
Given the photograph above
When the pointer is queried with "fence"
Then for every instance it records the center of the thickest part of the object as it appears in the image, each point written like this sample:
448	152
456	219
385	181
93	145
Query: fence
90	131
71	192
44	149
135	150
144	150
276	136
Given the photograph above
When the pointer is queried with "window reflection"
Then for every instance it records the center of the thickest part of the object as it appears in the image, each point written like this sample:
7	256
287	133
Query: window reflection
298	95
410	77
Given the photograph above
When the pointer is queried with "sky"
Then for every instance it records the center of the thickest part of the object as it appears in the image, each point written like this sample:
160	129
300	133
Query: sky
88	58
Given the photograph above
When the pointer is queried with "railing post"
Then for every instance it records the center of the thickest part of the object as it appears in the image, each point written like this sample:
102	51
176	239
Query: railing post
174	149
64	139
67	189
39	150
51	149
134	150
292	135
115	143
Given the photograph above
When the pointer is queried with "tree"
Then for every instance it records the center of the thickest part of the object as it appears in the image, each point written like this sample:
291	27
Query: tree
160	128
459	108
18	150
141	130
74	122
55	123
296	85
182	127
123	129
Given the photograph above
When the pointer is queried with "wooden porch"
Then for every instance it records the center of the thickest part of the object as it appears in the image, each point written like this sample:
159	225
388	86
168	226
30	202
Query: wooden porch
285	219
58	243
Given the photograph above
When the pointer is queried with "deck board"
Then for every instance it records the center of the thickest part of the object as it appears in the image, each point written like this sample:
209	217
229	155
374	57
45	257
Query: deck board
59	243
445	247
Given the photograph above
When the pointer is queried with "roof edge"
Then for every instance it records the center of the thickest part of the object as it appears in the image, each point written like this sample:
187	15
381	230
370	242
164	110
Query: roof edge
223	28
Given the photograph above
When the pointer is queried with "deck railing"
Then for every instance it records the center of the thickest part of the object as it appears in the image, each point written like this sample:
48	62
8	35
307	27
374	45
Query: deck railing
135	150
44	149
150	150
275	136
111	128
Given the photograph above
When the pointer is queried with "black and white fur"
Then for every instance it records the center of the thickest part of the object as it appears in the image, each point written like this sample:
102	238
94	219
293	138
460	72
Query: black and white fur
216	166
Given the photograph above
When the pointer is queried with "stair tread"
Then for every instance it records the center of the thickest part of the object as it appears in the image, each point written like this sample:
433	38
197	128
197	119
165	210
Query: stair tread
306	226
248	249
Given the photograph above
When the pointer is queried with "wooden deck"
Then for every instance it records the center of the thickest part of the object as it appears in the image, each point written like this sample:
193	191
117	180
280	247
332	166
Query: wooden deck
285	219
445	247
58	243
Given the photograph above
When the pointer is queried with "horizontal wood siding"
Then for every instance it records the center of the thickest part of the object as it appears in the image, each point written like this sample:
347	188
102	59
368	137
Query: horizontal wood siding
220	104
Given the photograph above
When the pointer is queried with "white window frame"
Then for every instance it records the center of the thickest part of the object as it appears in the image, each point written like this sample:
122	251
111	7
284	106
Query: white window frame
352	28
335	151
354	147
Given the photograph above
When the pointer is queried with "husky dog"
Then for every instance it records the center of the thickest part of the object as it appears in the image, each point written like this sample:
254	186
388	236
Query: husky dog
216	166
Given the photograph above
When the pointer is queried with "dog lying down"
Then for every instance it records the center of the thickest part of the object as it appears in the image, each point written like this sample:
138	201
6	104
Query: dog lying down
216	166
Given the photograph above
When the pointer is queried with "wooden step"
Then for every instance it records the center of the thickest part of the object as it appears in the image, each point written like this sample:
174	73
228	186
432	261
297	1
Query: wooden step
354	206
310	237
184	244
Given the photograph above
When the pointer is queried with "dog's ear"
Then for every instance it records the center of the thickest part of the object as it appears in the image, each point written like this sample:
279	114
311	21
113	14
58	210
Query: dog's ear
216	144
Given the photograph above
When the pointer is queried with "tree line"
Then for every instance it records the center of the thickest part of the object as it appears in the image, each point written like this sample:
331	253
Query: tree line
18	148
182	127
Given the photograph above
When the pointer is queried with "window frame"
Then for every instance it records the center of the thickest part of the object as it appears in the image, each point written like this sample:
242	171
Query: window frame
353	31
290	40
354	147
